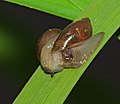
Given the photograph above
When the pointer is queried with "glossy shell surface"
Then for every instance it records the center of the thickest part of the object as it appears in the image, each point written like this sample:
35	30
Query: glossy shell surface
73	33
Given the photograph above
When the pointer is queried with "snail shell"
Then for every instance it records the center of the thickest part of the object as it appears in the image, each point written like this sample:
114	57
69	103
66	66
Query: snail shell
69	48
73	33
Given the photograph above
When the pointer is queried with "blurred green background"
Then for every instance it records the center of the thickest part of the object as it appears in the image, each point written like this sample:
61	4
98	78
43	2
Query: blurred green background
20	28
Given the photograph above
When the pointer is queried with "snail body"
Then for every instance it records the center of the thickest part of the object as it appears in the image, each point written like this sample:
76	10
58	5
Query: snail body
69	48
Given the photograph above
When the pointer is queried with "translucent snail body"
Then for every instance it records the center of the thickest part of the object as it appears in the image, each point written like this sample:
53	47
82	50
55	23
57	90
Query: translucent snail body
69	48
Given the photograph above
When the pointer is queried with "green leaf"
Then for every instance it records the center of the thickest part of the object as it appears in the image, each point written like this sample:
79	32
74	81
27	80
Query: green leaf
41	88
60	8
81	4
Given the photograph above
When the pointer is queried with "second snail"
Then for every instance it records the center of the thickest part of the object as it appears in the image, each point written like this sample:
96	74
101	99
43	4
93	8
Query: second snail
68	48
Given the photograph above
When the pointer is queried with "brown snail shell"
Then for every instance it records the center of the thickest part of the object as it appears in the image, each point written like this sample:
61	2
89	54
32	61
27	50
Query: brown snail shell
69	48
73	33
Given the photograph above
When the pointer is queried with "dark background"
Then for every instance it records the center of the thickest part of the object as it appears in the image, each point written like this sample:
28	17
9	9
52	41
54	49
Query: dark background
20	27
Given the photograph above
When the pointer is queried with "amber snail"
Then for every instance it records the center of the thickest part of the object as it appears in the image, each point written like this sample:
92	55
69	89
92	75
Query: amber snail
70	48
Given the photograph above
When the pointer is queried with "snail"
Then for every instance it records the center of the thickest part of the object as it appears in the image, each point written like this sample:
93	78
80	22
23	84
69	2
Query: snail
70	48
